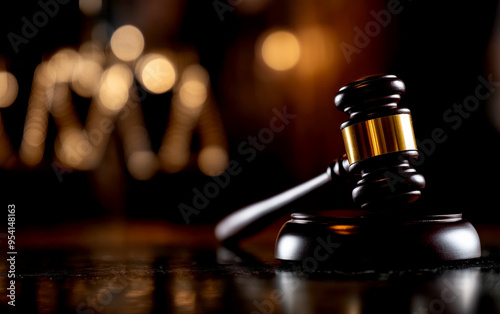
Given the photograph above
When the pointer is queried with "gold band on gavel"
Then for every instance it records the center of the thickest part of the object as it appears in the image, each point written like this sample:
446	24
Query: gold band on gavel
379	136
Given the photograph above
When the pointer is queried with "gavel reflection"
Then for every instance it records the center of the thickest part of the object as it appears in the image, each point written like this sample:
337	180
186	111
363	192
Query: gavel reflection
455	291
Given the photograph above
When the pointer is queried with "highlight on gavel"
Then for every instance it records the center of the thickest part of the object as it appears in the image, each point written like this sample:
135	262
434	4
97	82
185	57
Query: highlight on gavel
380	144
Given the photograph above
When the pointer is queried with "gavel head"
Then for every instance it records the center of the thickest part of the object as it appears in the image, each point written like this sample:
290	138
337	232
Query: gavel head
380	143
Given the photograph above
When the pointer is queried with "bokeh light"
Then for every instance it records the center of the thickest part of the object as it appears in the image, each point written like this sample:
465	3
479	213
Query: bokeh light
193	90
142	165
62	64
34	135
114	88
213	160
92	50
280	50
73	149
174	153
32	146
127	43
8	89
90	7
86	77
155	73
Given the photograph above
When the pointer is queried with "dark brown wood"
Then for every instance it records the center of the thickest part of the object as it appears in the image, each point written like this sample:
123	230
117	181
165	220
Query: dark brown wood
253	218
370	97
379	241
387	232
388	182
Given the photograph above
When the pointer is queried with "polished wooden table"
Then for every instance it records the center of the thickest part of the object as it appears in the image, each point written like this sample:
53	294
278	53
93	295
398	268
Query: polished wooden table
155	267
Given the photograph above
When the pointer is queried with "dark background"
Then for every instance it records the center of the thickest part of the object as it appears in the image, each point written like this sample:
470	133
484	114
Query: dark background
438	49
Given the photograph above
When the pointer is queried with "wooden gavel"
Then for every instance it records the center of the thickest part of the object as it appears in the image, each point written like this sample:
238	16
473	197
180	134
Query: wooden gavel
379	142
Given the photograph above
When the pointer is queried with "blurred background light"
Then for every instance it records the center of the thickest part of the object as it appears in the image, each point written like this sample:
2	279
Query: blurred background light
90	7
86	77
8	89
280	50
174	152
193	89
127	43
213	160
142	165
177	87
62	64
155	73
193	93
73	149
92	50
114	88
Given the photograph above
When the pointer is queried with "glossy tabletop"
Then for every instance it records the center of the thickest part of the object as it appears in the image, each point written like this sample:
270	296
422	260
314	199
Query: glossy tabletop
154	267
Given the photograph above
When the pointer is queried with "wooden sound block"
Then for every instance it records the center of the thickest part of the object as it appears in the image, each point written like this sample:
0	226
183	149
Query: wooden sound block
326	239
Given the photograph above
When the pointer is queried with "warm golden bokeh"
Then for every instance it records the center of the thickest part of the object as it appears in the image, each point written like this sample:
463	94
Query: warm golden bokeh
156	73
86	77
114	88
62	64
193	89
281	50
174	153
127	43
73	149
90	7
92	50
213	160
142	165
8	89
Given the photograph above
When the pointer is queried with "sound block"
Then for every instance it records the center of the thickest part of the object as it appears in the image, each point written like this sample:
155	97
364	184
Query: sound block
329	239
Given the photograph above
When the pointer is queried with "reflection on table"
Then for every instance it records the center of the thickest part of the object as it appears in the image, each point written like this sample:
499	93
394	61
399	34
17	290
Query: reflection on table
154	276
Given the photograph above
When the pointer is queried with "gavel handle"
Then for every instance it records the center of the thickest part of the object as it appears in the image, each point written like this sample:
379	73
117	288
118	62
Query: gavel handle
253	218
